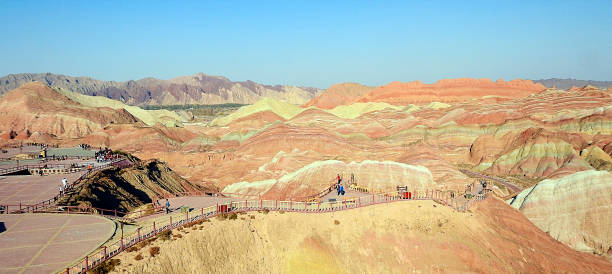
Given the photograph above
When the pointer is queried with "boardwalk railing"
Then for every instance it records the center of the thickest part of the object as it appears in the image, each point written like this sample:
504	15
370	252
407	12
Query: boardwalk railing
92	260
46	204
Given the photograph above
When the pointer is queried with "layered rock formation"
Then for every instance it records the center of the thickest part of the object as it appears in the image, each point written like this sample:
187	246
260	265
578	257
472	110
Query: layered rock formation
533	153
450	90
512	130
149	117
574	209
317	176
36	108
196	89
339	94
128	188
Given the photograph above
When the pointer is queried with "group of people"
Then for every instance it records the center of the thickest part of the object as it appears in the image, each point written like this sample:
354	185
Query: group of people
104	155
339	186
84	146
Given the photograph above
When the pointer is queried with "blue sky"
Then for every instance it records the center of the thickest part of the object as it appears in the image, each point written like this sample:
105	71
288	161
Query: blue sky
309	43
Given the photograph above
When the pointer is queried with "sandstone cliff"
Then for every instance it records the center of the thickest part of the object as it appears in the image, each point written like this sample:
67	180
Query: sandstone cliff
574	209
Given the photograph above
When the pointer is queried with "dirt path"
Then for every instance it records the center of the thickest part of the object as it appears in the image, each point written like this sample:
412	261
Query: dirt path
514	188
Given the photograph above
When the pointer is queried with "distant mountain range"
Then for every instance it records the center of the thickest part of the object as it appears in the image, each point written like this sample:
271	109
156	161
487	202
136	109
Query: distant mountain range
195	89
201	89
568	83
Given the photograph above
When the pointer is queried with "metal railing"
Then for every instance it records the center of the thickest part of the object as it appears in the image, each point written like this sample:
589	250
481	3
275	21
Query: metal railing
108	251
44	205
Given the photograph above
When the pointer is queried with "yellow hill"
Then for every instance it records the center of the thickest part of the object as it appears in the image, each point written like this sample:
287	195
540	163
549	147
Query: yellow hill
149	117
282	109
355	110
288	111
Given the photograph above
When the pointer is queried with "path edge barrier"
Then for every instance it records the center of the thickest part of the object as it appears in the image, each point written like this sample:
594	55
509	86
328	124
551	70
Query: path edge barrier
109	251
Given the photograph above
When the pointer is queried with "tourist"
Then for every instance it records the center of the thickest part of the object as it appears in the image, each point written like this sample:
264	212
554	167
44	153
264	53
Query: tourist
65	182
342	189
60	191
167	206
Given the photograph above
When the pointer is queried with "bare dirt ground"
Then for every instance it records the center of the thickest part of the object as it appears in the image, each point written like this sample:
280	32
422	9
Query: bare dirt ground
411	236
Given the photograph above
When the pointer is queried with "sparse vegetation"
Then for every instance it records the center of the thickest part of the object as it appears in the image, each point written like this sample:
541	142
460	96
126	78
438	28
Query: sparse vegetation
138	257
132	249
165	235
199	110
221	216
232	216
336	222
144	243
105	267
266	211
281	212
154	250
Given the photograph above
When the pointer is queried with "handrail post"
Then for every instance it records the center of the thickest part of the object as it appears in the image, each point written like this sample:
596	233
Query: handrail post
105	255
186	217
154	229
170	221
86	263
138	234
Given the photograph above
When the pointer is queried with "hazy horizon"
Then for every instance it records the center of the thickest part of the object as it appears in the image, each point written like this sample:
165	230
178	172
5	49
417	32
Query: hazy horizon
314	44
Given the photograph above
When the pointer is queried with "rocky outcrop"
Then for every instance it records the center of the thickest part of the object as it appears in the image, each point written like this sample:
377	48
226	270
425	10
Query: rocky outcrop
531	153
128	188
574	209
196	89
597	158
